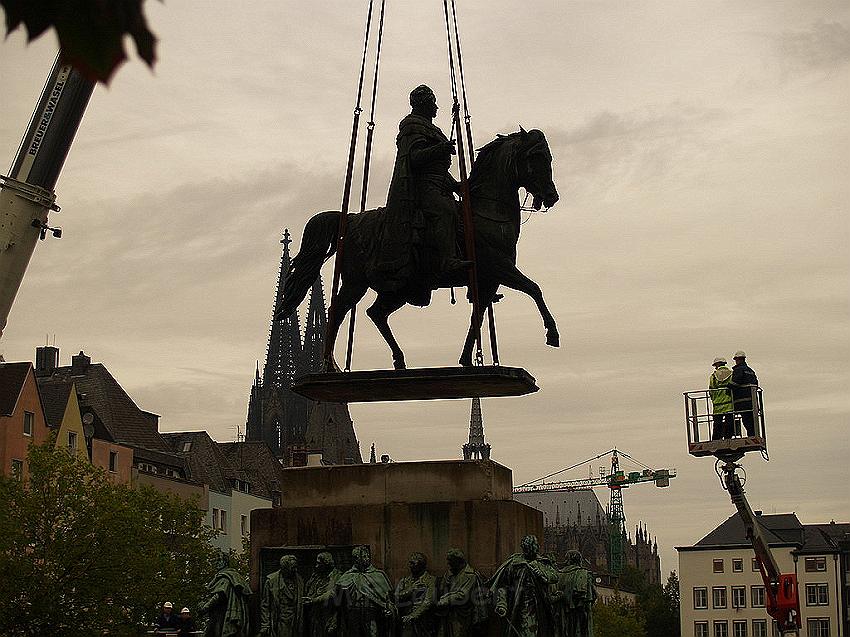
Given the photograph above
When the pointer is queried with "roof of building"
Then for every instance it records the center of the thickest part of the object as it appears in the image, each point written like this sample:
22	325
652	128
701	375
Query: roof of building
255	459
564	508
778	529
12	378
54	399
206	462
118	418
783	528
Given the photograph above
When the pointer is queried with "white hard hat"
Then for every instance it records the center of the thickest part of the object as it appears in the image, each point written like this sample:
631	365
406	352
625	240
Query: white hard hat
167	605
740	354
185	610
720	360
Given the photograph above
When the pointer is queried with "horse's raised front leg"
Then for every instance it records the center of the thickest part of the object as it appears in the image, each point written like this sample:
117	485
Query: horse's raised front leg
348	296
487	292
379	312
516	280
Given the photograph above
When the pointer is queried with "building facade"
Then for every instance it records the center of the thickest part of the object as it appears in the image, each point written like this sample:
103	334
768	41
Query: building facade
239	480
575	520
723	594
22	419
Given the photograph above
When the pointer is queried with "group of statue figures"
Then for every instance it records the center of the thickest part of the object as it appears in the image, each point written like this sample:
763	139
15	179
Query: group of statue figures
528	596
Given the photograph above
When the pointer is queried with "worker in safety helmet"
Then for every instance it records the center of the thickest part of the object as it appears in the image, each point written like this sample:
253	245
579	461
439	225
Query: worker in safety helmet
721	399
742	381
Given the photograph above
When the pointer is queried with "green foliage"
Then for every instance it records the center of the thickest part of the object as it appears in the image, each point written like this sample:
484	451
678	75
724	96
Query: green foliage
90	32
632	580
660	606
80	555
618	617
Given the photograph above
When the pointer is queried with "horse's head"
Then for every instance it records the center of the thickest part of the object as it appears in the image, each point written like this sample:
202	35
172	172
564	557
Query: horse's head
534	168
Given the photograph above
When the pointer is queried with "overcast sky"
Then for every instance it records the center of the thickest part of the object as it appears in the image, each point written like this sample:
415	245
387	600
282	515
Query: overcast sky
701	150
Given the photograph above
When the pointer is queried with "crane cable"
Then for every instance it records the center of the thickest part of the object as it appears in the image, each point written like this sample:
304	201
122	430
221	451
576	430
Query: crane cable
367	158
578	464
468	222
349	175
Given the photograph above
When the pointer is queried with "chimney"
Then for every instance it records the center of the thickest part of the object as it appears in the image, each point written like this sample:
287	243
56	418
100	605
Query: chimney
46	360
757	512
79	364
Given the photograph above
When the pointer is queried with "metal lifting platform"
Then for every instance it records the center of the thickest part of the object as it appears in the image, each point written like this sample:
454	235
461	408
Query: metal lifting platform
701	421
424	383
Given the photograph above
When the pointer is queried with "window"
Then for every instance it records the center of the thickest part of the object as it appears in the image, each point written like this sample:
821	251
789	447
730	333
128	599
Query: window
223	521
757	598
187	446
717	566
241	485
721	629
17	468
29	419
718	597
700	629
244	520
818	627
739	597
113	460
817	594
148	468
737	566
815	564
739	628
72	441
755	565
701	599
759	628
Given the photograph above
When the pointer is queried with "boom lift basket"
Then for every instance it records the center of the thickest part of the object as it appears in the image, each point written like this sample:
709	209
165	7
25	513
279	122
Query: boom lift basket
700	423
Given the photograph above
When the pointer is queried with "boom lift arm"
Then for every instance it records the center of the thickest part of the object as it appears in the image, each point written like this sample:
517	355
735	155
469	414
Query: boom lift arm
782	602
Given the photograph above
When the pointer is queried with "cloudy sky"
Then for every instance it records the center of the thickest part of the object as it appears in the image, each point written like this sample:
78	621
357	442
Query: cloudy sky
701	151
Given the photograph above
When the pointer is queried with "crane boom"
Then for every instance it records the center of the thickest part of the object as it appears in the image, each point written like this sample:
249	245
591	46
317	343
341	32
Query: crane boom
26	193
782	602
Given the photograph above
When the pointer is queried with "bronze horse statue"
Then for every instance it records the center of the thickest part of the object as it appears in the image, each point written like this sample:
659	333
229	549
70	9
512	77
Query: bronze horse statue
508	163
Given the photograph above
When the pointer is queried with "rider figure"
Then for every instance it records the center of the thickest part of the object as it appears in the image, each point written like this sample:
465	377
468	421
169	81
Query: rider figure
419	247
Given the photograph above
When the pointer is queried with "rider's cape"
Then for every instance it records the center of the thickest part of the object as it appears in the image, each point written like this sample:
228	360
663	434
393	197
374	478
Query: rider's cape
397	261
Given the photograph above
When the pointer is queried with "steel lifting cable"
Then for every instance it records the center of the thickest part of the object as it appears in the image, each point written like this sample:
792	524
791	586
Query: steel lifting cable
370	129
467	118
468	227
327	355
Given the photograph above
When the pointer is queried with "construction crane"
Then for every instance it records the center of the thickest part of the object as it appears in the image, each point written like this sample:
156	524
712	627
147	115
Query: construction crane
616	481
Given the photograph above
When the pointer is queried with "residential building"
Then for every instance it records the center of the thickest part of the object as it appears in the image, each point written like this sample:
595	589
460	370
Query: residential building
21	417
722	592
62	414
125	439
236	480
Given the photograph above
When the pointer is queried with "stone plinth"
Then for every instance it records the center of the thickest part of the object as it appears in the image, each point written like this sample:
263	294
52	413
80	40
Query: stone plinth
396	509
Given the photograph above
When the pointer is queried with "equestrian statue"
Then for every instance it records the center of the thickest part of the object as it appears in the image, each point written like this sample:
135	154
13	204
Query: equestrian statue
414	245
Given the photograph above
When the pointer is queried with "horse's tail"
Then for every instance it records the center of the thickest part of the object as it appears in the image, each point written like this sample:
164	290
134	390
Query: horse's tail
318	244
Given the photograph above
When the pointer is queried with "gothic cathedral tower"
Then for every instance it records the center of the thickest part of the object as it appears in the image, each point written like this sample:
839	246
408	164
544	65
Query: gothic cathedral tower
287	422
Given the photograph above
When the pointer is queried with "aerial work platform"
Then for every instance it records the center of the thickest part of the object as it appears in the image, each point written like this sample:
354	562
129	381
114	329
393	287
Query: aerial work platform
424	383
701	423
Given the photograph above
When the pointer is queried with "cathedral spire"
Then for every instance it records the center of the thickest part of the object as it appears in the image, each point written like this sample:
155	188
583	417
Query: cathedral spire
283	356
314	330
476	448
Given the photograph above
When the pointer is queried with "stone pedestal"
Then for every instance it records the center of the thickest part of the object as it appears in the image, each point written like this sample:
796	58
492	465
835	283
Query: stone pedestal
394	508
